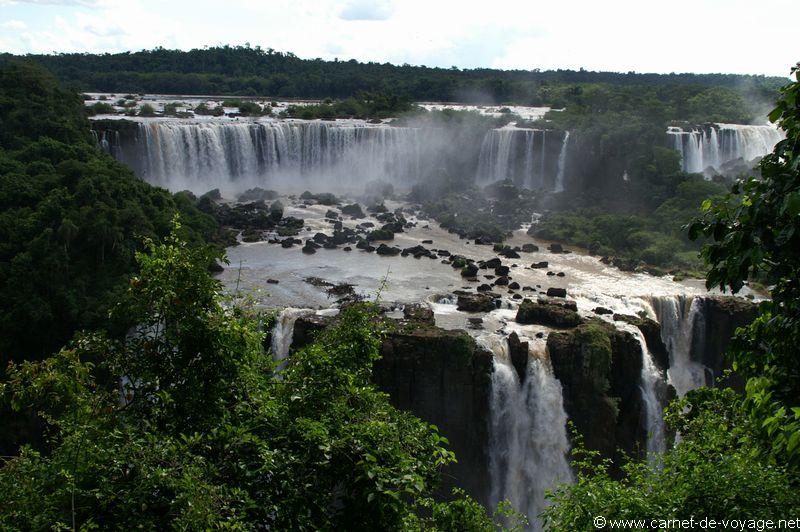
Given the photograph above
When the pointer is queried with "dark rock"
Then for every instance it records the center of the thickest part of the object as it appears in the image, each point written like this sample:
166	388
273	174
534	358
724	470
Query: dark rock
347	248
272	281
530	248
427	241
556	248
599	368
547	313
560	274
478	302
513	285
419	313
651	331
470	270
383	249
501	271
331	214
353	210
501	281
309	249
484	288
556	292
602	311
491	264
518	352
539	265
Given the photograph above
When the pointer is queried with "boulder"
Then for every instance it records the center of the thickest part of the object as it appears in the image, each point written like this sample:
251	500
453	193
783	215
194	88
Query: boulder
353	210
547	313
539	265
419	313
556	292
475	302
470	270
385	250
556	248
530	248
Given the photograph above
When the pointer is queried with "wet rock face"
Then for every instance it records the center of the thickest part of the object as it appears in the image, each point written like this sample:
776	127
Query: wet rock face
442	377
651	331
723	315
478	302
548	312
518	352
599	368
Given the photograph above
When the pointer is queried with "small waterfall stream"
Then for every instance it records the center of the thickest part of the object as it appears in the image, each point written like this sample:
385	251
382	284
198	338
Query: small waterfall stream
528	439
682	326
284	330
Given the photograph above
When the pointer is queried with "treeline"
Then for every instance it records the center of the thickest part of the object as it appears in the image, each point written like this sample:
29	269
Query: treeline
258	72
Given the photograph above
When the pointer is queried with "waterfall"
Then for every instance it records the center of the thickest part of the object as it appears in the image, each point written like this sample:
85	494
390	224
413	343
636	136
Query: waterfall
716	144
528	443
522	155
682	322
284	330
209	154
653	390
562	163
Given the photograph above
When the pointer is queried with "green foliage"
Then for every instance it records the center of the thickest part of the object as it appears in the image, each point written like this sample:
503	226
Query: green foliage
71	218
656	238
147	110
207	436
364	105
755	233
716	470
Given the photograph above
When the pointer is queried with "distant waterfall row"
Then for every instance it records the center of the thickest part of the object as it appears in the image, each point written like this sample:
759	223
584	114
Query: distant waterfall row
716	144
201	155
532	158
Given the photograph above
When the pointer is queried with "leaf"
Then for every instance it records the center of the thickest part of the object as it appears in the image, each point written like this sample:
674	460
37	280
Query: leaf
706	205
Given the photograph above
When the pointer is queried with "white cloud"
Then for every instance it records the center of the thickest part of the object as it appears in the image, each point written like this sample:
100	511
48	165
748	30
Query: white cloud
367	10
13	25
618	35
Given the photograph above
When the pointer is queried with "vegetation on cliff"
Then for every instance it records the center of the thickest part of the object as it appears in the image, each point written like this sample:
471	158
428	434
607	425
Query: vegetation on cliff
737	456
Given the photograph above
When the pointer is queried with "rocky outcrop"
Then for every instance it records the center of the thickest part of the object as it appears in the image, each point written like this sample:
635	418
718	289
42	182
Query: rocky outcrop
651	331
722	316
475	302
518	352
599	368
442	377
548	312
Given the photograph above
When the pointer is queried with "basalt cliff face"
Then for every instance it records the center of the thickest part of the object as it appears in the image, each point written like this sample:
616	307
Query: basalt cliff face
442	377
445	378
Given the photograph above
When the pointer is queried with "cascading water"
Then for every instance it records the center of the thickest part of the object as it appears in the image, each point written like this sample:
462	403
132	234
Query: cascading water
522	155
682	326
528	438
716	144
283	331
562	164
653	390
202	155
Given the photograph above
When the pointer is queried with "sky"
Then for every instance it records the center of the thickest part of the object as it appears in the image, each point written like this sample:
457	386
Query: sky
731	36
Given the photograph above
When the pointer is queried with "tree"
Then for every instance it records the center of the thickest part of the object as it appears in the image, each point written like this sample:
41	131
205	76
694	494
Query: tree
755	234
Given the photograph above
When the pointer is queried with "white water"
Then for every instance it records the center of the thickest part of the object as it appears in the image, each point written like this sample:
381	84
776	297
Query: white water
682	326
522	156
653	387
719	143
528	439
283	331
562	164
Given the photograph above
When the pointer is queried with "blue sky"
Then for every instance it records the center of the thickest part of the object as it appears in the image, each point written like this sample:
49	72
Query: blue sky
738	36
